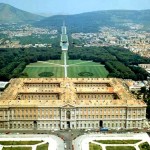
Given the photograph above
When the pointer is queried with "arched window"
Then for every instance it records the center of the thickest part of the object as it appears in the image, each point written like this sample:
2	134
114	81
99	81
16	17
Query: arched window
68	114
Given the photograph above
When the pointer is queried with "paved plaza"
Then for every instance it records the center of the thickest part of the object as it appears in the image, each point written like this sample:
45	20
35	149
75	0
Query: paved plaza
82	142
55	143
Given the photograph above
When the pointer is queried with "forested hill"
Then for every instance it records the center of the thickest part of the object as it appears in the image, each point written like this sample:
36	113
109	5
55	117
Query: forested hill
10	14
91	21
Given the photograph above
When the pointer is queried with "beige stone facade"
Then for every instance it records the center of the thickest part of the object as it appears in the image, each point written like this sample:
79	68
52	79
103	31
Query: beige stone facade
76	103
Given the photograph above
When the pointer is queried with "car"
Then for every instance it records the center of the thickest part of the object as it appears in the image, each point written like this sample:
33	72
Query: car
65	145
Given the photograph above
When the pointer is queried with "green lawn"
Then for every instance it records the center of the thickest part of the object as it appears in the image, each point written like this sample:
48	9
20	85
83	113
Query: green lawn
74	68
19	142
120	148
144	146
17	148
42	147
93	146
118	141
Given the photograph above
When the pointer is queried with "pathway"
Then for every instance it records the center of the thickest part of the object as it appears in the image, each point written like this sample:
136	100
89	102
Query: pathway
65	64
55	143
82	142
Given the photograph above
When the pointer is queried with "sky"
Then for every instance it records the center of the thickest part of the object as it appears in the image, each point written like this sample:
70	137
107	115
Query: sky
76	6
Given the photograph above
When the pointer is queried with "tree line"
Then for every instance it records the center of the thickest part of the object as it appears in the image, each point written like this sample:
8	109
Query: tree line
13	61
119	62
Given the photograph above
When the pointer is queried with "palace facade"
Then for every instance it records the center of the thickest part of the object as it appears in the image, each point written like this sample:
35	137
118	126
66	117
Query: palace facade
75	103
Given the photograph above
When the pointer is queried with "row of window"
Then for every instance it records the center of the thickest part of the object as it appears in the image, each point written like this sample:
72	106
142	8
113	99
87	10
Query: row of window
139	112
34	110
34	116
92	85
89	96
42	85
34	126
38	96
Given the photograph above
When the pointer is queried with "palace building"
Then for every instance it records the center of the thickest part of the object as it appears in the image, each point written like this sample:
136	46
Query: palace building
75	103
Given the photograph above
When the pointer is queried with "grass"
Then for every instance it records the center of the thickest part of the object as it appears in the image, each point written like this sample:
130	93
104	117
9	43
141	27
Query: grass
118	141
42	147
74	68
33	70
93	146
144	146
17	148
97	70
19	142
120	148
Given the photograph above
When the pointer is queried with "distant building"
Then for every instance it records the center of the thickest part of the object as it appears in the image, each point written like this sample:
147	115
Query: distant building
145	66
135	86
3	85
64	39
70	103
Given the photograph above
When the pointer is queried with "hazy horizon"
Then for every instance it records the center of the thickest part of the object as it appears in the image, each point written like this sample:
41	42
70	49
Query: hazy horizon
76	6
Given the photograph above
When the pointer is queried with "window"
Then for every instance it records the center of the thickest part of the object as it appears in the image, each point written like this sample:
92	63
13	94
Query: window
92	111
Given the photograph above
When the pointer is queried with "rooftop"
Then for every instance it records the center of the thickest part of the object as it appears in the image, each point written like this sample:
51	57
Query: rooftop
76	92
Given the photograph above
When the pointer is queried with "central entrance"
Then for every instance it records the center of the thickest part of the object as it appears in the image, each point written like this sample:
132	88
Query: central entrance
35	124
68	124
100	123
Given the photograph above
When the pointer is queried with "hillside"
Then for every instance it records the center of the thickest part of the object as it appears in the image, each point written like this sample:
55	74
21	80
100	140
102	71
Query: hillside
91	21
10	14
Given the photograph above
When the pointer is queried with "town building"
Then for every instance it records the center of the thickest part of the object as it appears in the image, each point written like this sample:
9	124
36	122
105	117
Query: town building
70	103
3	85
135	86
145	66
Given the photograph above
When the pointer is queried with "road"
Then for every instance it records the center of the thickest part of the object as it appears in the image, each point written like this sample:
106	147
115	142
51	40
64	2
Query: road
65	64
68	136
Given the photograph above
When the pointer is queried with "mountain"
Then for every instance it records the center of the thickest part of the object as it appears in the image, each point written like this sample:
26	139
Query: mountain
10	14
91	21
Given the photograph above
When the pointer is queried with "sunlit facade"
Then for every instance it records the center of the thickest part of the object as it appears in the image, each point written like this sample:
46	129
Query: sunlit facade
75	103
